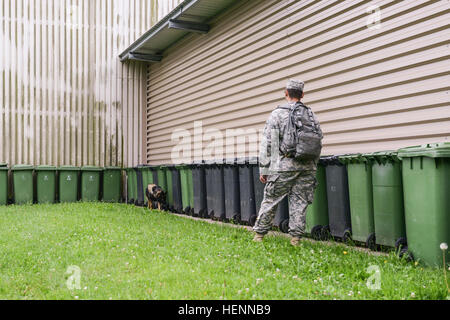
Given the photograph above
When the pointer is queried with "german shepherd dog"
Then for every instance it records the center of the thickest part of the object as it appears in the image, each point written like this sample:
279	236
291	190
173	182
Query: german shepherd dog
155	195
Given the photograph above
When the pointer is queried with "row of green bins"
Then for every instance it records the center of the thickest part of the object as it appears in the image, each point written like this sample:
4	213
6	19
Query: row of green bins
317	223
3	184
426	189
388	212
68	183
359	169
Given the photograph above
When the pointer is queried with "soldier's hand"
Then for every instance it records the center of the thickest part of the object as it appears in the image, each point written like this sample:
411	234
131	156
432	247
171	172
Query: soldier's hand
263	179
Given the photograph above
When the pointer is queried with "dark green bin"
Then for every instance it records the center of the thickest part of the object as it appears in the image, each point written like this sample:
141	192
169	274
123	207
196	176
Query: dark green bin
187	192
112	181
317	223
3	184
359	168
68	183
131	185
90	183
169	184
23	183
45	184
426	189
388	209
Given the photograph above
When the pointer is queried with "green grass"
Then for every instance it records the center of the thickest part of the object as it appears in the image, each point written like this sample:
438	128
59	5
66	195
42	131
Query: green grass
125	252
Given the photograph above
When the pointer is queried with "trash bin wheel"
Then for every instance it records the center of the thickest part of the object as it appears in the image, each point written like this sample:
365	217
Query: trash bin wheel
284	226
325	233
192	213
316	232
371	242
187	211
204	214
252	220
237	218
130	201
400	243
347	237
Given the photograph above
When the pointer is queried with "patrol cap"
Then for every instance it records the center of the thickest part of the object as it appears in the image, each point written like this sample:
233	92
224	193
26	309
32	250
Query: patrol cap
294	84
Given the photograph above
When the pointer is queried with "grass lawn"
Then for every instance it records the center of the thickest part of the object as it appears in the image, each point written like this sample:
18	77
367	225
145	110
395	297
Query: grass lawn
126	252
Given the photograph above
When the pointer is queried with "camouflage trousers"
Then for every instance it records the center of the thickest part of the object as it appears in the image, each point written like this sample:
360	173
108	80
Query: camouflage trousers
299	187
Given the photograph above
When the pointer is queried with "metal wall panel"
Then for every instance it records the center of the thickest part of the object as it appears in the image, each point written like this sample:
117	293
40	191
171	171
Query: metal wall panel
372	86
65	98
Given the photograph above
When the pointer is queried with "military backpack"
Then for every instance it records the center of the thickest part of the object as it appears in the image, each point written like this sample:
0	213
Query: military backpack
302	138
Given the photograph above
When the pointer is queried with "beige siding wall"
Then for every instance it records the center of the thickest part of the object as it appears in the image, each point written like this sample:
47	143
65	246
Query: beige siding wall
371	88
65	98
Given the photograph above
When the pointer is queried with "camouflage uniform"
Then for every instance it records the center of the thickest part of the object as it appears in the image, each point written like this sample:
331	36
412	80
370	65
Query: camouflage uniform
286	177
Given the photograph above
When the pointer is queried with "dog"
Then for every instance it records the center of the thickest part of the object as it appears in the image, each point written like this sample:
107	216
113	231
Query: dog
155	194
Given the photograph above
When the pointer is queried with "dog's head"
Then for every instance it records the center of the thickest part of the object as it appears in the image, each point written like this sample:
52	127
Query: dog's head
158	192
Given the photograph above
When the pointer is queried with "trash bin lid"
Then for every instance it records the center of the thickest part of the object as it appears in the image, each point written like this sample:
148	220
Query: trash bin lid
331	160
113	168
68	168
3	165
18	167
45	168
91	168
354	158
383	156
4	168
431	150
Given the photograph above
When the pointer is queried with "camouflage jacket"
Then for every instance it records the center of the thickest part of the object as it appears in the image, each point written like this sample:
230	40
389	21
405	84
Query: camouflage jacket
270	159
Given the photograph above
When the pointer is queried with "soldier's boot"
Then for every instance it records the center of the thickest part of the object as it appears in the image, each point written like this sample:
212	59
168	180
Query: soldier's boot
258	237
295	241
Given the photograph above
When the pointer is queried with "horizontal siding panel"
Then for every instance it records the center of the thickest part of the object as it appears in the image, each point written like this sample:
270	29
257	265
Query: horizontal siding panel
269	88
260	54
361	83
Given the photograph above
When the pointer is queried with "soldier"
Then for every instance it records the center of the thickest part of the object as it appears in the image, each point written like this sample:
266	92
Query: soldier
285	175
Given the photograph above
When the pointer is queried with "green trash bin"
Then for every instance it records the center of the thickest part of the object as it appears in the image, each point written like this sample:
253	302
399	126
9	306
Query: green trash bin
426	189
388	211
187	194
22	183
191	189
3	184
317	223
45	184
112	181
169	184
131	185
90	183
147	178
68	183
161	174
359	168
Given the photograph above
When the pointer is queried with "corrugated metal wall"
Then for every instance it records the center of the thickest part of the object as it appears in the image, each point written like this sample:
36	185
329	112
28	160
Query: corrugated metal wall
374	88
65	98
